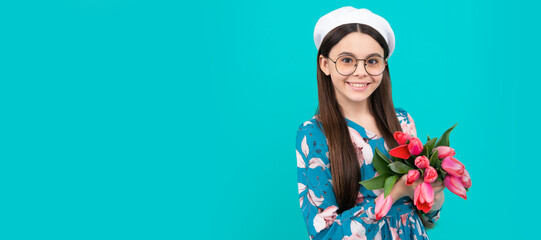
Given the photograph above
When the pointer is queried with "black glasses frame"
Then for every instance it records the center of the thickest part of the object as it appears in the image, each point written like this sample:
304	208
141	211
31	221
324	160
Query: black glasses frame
356	64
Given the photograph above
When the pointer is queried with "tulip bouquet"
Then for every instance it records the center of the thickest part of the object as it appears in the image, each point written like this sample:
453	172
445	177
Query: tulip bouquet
432	161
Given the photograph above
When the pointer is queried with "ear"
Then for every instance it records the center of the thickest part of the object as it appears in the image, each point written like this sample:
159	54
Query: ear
324	65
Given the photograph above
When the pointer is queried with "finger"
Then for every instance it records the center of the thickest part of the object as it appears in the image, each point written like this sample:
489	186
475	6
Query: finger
438	188
436	183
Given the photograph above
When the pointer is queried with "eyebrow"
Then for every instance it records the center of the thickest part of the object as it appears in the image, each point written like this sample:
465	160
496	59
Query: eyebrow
369	55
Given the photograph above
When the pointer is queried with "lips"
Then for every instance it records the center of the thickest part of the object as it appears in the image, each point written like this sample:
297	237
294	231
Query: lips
358	86
359	82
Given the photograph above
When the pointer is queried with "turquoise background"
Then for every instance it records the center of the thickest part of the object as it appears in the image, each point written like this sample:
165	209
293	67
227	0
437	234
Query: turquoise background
177	120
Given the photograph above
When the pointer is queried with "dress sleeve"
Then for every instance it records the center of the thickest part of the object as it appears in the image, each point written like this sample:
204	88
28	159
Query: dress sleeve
317	200
406	122
408	126
432	216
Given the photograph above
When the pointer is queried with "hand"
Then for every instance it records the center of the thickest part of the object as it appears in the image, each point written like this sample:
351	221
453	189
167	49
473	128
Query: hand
439	197
400	189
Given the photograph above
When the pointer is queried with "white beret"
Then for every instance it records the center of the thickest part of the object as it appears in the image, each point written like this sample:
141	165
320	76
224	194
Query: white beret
348	14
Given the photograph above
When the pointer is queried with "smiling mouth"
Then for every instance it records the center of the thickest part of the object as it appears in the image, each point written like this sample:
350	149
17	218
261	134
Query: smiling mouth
358	85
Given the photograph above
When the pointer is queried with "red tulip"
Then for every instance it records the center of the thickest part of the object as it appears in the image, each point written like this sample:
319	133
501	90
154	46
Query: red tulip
454	185
465	179
423	197
415	146
452	166
413	175
444	151
422	162
401	137
400	152
430	174
383	205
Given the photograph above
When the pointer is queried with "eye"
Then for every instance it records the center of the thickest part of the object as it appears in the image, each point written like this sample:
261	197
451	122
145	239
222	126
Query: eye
373	61
347	60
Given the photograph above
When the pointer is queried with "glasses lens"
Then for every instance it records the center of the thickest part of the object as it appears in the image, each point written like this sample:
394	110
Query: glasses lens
374	65
346	65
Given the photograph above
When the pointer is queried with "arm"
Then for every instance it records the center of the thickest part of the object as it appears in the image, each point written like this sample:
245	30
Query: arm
317	200
408	126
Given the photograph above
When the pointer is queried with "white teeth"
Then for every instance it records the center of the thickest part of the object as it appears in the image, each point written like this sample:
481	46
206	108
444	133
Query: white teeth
358	84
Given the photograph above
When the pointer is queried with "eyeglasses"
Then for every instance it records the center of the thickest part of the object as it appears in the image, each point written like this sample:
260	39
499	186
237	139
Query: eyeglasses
346	65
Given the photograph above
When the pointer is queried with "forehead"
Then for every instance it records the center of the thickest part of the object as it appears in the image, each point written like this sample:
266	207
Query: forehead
360	44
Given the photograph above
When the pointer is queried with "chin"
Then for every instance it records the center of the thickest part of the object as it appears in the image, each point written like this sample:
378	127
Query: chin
358	100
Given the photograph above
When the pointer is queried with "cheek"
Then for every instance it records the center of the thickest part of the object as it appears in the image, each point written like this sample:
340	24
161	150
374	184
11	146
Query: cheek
337	79
378	81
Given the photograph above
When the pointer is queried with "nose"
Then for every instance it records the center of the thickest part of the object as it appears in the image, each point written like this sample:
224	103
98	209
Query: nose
360	70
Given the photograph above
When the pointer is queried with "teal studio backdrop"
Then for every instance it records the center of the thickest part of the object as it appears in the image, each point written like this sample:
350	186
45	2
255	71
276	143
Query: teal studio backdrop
177	120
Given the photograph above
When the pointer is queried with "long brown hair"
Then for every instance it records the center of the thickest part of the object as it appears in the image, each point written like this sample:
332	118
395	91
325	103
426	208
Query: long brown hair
342	156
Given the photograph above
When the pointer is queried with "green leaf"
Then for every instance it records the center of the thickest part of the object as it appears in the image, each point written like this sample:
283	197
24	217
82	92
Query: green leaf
441	174
375	182
425	151
438	166
410	161
381	163
430	144
440	178
399	167
382	156
444	140
434	159
389	183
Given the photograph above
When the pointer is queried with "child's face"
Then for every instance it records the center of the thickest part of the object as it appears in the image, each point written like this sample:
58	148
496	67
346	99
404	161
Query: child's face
358	46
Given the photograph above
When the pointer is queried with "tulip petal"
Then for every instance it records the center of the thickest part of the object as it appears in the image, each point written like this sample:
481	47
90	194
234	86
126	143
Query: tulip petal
413	175
415	147
430	174
417	194
452	166
383	205
428	192
454	184
400	152
424	197
401	137
466	181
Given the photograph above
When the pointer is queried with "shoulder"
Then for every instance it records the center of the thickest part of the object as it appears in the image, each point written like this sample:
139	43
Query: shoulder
406	121
311	128
311	141
400	113
403	115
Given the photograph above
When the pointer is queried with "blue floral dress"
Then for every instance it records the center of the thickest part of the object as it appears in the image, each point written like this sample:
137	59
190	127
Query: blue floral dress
318	203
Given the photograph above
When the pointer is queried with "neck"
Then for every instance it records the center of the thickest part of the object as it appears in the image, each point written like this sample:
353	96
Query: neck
355	110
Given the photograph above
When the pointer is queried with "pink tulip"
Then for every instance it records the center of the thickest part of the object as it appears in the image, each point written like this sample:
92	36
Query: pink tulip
452	166
400	152
430	174
465	179
444	151
415	146
422	162
454	185
423	197
401	137
383	205
413	175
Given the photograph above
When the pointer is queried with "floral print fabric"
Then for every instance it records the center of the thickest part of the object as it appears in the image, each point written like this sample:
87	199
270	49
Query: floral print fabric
317	201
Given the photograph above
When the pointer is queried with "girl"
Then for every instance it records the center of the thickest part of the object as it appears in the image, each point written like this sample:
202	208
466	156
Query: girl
355	115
